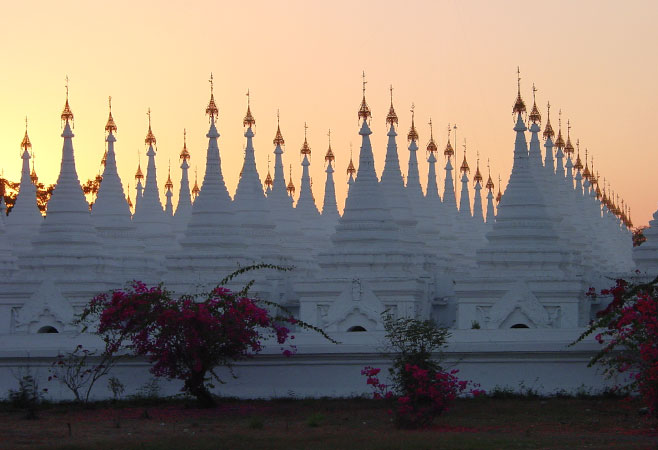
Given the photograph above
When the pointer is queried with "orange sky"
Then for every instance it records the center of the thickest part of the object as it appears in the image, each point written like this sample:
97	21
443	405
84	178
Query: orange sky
456	60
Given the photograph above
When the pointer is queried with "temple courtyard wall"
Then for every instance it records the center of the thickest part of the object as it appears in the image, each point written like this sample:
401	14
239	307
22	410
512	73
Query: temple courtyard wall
540	360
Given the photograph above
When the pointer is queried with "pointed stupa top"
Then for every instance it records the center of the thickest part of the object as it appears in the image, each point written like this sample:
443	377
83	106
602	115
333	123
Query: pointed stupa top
519	105
559	142
534	116
490	183
329	156
391	118
169	185
278	139
150	137
413	134
431	145
195	189
185	154
291	185
33	175
130	202
568	148
548	129
586	172
67	114
350	168
578	165
26	144
268	180
364	110
305	150
478	176
449	151
248	118
464	167
110	126
212	109
499	196
139	175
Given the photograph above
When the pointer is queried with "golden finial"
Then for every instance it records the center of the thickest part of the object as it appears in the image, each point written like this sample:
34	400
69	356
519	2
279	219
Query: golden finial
350	168
67	114
130	203
478	176
278	139
33	175
306	150
578	165
449	150
212	110
291	185
534	116
248	118
559	142
391	118
464	167
413	134
139	175
548	129
195	189
586	173
490	183
169	185
268	178
499	195
364	111
329	157
150	138
519	106
569	147
431	145
25	144
110	126
184	154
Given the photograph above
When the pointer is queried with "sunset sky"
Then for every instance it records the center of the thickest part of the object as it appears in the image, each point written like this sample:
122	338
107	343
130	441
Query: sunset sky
456	60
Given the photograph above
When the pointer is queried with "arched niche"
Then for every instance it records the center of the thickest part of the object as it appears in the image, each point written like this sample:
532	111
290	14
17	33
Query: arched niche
356	328
47	329
519	325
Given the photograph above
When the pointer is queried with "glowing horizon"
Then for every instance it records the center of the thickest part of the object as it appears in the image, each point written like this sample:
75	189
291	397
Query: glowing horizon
456	62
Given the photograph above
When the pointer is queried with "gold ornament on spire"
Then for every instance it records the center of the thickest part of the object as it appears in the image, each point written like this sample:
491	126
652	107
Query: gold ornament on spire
305	150
568	148
248	118
212	110
291	185
548	129
490	183
110	126
329	157
586	173
431	145
499	196
278	139
391	118
559	142
350	168
130	202
67	114
169	185
25	143
477	178
364	111
464	167
195	189
184	154
104	159
519	106
413	134
268	179
33	175
150	137
139	175
449	151
534	116
578	165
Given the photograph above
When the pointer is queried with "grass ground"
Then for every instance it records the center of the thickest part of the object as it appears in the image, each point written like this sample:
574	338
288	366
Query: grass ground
481	423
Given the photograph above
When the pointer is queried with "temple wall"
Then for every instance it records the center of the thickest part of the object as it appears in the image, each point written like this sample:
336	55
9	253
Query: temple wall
519	359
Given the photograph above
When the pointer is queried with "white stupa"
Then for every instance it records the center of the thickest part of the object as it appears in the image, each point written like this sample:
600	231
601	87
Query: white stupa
184	205
330	213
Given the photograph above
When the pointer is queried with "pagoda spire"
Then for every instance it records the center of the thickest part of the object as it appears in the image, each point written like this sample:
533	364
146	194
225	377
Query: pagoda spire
169	192
184	206
150	203
432	192
195	189
477	199
351	171
549	134
306	201
329	206
464	198
279	188
578	166
139	176
559	143
491	215
413	177
449	197
291	186
25	218
535	149
268	178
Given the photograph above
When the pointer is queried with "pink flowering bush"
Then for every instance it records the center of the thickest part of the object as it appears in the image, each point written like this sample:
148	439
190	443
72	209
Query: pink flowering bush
188	337
421	389
628	330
